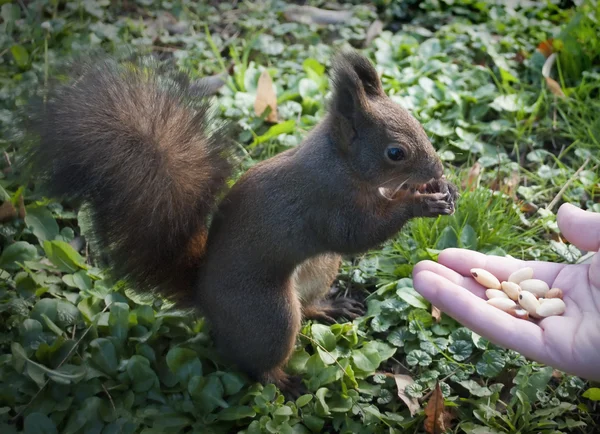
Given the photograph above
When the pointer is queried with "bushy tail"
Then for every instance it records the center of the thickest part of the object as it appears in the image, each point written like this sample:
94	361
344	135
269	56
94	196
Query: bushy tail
133	144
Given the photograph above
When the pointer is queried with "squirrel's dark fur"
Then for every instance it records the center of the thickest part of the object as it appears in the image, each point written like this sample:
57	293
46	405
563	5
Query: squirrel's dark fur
134	144
131	140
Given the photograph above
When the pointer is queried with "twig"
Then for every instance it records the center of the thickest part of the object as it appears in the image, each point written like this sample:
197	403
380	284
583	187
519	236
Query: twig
400	363
328	353
110	399
166	49
24	7
424	397
567	184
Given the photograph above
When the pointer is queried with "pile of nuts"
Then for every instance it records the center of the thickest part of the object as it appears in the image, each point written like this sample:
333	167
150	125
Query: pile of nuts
534	297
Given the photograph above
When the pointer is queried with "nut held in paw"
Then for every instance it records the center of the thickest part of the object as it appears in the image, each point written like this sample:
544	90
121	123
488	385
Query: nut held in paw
522	295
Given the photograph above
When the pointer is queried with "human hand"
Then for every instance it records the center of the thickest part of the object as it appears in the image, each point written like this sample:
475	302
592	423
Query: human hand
570	342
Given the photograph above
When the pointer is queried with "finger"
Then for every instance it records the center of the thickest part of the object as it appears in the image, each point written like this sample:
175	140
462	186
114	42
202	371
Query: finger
462	260
581	228
454	277
497	326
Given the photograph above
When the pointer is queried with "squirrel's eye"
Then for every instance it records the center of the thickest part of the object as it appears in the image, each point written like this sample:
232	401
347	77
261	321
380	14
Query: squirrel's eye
395	154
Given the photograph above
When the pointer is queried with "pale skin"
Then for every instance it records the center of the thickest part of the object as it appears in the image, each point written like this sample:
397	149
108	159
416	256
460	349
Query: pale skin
570	342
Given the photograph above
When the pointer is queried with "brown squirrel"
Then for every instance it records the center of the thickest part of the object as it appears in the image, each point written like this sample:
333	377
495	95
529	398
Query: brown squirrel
139	147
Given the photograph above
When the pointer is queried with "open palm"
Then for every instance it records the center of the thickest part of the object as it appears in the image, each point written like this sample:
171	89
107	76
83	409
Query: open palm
570	342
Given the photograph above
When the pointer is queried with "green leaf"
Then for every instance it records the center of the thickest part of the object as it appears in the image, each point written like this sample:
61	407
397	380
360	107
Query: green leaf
461	345
529	383
303	400
42	223
144	314
385	351
323	335
207	392
308	88
36	373
38	423
468	238
322	408
419	316
141	374
429	48
508	103
86	416
55	354
118	320
283	411
412	297
447	239
20	55
368	358
59	312
236	413
433	346
79	280
232	383
20	251
67	373
30	332
276	130
63	256
399	336
313	423
438	128
171	422
104	355
328	357
491	364
311	64
475	389
184	363
63	375
418	357
593	394
297	363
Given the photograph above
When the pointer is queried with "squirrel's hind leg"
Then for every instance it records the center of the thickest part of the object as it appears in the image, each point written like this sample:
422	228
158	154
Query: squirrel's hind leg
258	333
312	281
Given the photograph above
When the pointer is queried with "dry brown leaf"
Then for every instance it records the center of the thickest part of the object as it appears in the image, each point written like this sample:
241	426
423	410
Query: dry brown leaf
265	97
528	208
554	87
313	15
520	56
545	47
511	184
436	416
436	314
373	31
472	177
401	382
7	212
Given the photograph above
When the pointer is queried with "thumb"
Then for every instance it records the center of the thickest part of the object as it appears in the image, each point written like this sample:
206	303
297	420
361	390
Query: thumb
579	227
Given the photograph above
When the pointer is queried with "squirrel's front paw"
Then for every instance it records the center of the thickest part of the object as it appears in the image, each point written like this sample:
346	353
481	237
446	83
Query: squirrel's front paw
439	198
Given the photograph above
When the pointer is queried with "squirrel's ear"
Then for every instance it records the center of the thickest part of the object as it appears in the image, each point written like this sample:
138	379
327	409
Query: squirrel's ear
355	83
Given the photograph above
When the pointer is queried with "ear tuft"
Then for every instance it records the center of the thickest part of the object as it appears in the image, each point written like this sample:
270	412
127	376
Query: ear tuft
351	66
354	81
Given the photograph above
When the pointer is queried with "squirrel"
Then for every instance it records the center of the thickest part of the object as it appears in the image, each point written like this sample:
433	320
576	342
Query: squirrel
139	147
